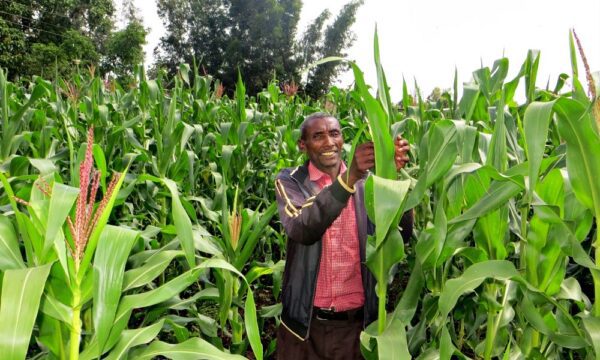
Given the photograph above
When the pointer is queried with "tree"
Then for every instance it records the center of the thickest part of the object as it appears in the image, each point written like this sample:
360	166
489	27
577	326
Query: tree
15	20
124	49
174	45
46	37
310	44
337	38
48	59
258	38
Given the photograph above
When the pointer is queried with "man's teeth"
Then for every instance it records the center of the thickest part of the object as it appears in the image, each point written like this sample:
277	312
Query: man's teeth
329	153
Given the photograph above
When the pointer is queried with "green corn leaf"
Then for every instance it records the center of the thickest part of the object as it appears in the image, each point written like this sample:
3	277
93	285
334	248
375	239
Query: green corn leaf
249	242
459	170
536	121
569	243
52	336
438	153
355	141
258	271
10	255
446	346
52	307
11	126
473	276
405	96
60	248
591	324
184	72
533	61
183	224
497	155
44	166
61	202
381	260
441	150
378	128
132	338
575	125
466	137
499	73
251	324
468	101
151	269
388	197
191	349
22	224
226	289
431	241
482	77
113	249
498	195
382	87
325	60
240	98
19	303
100	161
168	291
142	300
391	344
535	318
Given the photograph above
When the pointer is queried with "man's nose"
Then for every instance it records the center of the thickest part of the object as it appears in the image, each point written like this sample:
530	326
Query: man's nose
329	140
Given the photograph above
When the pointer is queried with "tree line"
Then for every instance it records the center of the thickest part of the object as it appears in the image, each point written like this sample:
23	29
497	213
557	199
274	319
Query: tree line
258	39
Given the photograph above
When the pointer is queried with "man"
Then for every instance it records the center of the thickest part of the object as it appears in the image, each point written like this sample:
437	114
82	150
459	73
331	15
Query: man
328	293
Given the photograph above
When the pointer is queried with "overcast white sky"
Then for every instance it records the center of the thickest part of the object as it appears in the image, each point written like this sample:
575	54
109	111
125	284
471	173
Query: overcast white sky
427	39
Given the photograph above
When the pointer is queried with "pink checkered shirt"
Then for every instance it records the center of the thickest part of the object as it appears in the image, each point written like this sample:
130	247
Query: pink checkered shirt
339	283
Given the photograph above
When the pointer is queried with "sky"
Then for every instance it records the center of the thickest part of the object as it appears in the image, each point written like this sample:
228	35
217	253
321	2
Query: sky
426	40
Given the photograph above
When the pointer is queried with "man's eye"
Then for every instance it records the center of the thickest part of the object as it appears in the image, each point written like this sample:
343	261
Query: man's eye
335	134
318	136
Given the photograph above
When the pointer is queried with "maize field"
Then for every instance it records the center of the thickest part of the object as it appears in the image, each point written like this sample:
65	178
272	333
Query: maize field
140	222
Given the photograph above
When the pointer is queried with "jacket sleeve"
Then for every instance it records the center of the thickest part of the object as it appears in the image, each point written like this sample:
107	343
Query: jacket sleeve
305	220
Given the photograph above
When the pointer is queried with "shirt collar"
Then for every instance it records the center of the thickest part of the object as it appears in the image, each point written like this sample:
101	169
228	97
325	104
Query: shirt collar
315	174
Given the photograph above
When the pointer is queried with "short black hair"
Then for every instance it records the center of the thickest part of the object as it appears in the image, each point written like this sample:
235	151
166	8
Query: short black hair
311	117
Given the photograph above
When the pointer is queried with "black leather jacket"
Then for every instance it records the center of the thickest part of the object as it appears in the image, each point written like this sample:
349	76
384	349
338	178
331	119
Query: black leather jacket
306	212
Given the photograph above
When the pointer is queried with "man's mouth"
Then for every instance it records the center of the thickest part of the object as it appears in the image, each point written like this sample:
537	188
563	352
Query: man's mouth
328	153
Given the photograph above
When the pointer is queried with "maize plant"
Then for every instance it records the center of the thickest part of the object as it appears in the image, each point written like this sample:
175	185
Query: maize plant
180	255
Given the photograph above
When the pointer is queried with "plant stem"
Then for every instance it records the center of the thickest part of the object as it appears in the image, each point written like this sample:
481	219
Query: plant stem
75	321
381	292
490	336
524	219
381	321
596	274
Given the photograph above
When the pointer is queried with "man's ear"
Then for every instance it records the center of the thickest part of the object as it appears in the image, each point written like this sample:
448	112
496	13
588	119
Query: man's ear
301	145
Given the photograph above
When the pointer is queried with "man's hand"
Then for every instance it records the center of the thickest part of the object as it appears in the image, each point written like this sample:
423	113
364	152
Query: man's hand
364	159
402	149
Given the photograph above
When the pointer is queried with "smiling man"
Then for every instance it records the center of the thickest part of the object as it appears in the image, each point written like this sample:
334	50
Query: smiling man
328	293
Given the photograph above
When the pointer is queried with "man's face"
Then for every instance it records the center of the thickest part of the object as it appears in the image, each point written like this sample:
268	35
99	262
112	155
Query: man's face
323	144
